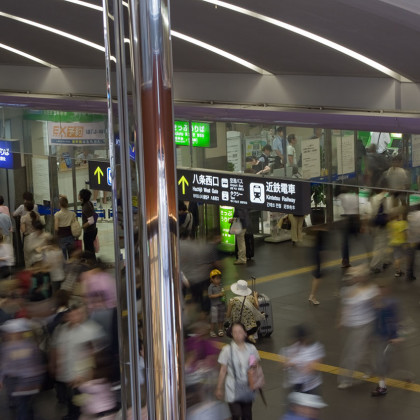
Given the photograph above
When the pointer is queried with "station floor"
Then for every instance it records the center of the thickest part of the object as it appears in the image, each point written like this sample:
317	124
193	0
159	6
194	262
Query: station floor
283	273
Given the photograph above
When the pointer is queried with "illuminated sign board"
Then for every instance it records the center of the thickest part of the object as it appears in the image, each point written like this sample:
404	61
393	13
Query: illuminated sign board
200	134
241	190
227	241
8	159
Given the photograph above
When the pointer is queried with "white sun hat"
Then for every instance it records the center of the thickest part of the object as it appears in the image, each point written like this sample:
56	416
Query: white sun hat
306	400
241	288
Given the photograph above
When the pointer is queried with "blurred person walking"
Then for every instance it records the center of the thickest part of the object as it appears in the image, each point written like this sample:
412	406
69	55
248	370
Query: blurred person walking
397	228
301	362
357	320
4	209
381	207
7	258
234	362
385	337
34	243
413	241
72	358
304	407
22	368
62	226
6	227
243	216
349	199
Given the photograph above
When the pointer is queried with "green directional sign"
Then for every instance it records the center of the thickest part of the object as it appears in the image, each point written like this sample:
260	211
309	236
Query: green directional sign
200	134
227	241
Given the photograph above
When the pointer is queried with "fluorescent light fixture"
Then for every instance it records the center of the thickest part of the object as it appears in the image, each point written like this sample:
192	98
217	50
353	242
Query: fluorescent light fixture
55	31
313	37
220	52
85	4
28	56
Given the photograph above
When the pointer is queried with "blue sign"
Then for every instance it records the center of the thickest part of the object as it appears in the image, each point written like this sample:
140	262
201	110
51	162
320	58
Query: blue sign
6	155
108	176
130	147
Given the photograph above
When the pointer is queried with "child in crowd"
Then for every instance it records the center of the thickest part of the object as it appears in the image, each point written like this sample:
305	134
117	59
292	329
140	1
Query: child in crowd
218	306
397	228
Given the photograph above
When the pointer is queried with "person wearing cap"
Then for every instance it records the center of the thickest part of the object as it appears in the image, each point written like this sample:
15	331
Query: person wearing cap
264	158
216	294
244	307
357	320
304	406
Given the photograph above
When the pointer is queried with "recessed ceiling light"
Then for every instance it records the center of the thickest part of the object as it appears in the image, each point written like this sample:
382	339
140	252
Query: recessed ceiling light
54	30
314	37
85	4
28	56
220	52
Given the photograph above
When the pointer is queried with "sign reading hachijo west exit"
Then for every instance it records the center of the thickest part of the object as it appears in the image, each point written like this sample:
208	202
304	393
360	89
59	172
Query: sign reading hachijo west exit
240	190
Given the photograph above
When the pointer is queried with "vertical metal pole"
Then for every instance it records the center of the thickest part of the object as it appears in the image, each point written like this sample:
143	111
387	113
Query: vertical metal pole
152	93
329	187
121	200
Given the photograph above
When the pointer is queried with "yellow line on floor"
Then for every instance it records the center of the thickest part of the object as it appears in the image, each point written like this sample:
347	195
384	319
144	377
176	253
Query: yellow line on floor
334	370
308	269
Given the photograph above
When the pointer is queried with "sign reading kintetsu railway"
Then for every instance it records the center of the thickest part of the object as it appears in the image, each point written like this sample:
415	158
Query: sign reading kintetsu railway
240	190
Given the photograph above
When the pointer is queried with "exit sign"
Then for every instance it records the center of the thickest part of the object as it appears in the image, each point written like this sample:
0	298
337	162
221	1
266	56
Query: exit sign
200	134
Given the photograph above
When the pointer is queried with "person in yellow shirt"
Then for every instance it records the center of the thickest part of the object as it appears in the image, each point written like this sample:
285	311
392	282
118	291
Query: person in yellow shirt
397	228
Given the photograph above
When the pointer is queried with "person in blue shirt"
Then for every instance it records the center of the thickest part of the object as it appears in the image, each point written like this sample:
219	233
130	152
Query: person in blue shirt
278	143
386	335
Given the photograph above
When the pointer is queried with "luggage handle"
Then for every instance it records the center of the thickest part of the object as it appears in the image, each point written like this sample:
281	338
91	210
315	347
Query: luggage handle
253	279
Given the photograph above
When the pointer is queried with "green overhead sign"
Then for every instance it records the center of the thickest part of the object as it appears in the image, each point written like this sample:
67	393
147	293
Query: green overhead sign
200	134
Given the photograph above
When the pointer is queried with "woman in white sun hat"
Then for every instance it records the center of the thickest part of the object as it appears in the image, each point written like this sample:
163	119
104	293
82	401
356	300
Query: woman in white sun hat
243	308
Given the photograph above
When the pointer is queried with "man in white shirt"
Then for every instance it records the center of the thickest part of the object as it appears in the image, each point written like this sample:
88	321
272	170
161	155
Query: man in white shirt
381	140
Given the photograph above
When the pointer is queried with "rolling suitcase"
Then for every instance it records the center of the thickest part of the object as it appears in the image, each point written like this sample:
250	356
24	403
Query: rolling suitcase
266	328
264	303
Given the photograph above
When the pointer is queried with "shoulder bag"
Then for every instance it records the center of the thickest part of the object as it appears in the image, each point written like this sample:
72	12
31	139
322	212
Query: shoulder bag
76	229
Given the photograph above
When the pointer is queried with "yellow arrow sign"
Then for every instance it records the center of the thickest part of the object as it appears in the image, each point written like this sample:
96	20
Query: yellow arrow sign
184	182
98	171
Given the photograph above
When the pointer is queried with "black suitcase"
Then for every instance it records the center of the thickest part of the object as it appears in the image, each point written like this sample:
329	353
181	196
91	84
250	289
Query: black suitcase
249	245
266	328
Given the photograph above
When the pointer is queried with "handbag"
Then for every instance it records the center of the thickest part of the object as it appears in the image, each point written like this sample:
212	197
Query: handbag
235	227
243	392
76	229
286	223
256	378
228	324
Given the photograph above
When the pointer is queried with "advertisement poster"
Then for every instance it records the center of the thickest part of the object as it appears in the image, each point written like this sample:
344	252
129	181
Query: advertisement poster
233	150
227	242
311	158
345	155
41	178
76	134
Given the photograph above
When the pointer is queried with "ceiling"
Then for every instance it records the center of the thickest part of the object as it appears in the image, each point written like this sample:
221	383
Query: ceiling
386	31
